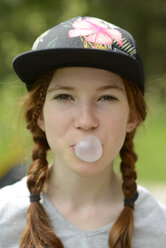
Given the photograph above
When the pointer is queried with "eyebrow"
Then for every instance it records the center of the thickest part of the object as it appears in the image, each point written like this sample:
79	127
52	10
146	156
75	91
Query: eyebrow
105	87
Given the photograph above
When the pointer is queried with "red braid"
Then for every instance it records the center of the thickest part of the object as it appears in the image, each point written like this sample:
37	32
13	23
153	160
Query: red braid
38	231
122	230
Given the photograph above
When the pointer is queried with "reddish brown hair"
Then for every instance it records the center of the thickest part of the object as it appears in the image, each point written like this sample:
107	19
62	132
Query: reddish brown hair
38	231
122	230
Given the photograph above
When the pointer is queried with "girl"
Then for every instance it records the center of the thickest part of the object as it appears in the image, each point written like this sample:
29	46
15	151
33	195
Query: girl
85	83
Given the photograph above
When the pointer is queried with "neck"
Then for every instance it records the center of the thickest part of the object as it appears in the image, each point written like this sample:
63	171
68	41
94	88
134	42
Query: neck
67	187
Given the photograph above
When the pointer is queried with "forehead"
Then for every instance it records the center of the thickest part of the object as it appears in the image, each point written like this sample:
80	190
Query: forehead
79	77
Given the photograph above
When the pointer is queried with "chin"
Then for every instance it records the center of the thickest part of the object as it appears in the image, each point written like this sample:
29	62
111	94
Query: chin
88	168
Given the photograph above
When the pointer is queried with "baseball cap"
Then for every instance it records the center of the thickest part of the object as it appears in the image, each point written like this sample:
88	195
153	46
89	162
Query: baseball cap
82	41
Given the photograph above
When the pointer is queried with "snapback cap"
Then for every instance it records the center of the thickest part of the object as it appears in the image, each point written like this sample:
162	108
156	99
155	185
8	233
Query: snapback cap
82	41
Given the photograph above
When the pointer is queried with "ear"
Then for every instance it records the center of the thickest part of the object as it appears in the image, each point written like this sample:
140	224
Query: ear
40	122
132	124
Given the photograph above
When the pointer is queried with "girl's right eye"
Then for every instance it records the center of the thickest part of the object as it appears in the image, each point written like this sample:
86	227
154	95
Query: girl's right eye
63	97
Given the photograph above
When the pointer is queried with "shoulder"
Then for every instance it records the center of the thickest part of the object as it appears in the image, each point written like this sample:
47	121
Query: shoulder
13	198
146	202
150	220
15	194
14	202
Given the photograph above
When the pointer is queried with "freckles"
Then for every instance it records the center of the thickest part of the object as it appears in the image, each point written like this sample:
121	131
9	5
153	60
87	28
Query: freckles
57	123
117	142
122	121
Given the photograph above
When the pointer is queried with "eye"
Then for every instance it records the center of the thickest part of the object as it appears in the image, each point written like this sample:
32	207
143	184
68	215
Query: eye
108	98
63	97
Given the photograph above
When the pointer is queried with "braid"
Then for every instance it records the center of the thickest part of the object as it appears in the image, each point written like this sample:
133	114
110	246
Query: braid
129	158
37	173
38	231
122	230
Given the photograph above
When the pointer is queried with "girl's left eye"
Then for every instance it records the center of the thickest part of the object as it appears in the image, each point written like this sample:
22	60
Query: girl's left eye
108	98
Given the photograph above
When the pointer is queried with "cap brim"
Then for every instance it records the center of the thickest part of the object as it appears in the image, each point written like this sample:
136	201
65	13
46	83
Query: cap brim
30	65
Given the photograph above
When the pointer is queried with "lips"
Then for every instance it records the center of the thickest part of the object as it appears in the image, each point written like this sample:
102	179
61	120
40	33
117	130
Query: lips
73	147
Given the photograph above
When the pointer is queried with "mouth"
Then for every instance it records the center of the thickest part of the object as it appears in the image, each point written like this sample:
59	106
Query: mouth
73	147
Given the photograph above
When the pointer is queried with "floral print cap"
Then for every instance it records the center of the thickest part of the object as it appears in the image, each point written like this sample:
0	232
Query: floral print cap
82	41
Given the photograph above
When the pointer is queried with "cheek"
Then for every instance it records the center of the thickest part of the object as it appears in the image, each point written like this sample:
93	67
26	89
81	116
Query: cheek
56	125
116	131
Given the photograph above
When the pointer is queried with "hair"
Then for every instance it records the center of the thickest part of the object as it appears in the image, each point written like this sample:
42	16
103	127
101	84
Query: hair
38	232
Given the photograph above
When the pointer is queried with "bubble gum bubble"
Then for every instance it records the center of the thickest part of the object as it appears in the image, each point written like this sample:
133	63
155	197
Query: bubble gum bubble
89	149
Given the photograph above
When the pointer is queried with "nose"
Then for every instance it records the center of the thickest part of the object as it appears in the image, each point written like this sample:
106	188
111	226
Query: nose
86	118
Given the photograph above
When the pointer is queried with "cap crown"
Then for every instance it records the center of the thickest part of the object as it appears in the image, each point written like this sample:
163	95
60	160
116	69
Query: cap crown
82	41
87	32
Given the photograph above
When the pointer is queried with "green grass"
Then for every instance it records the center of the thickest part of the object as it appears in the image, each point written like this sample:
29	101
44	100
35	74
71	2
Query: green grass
15	141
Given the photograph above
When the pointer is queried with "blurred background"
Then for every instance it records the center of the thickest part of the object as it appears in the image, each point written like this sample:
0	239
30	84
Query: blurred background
22	21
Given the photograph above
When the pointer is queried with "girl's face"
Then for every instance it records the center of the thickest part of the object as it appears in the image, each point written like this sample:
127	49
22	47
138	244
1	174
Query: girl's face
82	101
